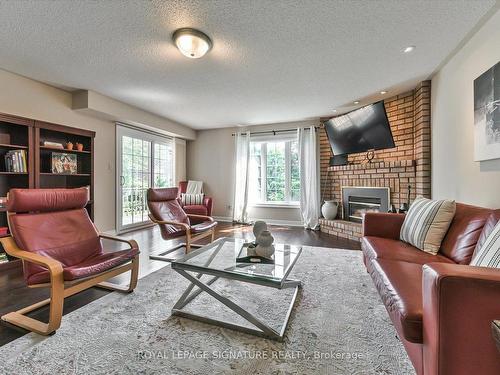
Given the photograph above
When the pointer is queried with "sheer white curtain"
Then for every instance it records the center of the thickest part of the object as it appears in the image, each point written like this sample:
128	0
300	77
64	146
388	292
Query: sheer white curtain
309	181
242	157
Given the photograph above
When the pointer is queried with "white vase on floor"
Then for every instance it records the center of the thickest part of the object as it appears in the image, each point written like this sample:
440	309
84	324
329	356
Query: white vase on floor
329	210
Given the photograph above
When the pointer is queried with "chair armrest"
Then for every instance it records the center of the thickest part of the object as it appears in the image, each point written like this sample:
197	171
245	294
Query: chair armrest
384	225
208	218
459	303
207	202
132	243
184	226
12	249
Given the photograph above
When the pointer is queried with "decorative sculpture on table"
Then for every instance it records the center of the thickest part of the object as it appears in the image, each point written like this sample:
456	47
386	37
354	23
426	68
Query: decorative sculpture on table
262	246
265	247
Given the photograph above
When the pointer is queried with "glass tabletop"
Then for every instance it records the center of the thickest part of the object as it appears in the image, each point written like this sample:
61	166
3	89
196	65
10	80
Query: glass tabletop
219	259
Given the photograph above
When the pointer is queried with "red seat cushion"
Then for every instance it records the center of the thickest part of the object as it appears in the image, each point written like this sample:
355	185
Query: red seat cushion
399	284
385	248
464	232
203	227
89	267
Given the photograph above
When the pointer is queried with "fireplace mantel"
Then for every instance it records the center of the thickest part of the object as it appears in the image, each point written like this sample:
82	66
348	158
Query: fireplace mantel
374	165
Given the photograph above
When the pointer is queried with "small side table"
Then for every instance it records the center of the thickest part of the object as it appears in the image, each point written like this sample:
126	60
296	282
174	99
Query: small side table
495	331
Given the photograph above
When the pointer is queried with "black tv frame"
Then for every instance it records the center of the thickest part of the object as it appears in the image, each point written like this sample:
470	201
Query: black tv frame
368	150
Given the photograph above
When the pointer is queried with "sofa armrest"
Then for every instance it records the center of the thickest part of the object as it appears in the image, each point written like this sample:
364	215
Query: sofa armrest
459	304
384	225
207	202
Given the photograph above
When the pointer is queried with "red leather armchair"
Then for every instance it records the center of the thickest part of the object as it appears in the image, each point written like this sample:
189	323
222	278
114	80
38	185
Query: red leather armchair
441	307
204	209
166	211
61	249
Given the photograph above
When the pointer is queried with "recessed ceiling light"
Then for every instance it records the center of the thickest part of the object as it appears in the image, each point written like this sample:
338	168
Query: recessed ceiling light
383	92
356	102
409	49
334	110
192	43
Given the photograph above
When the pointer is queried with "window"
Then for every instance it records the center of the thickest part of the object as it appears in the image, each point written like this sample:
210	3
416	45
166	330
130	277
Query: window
274	176
144	160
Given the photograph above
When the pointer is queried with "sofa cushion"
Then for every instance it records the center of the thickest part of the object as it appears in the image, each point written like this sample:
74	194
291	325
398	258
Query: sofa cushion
491	222
489	254
427	222
465	230
400	287
385	248
192	199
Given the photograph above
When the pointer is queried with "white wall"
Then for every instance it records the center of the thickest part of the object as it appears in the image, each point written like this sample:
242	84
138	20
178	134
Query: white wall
454	173
210	158
28	98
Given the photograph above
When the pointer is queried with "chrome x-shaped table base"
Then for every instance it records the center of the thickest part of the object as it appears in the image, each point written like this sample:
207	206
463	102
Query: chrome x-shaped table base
262	328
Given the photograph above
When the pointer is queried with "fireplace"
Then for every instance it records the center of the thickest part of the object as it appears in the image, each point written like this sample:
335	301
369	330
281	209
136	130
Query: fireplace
356	201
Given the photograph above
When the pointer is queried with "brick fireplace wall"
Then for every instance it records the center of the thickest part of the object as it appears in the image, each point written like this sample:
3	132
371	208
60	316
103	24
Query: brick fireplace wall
408	164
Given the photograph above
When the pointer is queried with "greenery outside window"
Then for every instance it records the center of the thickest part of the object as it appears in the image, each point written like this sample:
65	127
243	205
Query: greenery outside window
274	176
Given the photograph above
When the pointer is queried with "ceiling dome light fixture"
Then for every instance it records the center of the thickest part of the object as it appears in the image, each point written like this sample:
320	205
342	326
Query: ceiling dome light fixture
383	92
409	49
356	102
192	43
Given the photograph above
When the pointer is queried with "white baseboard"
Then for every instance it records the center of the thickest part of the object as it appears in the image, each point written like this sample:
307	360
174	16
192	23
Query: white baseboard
224	219
289	223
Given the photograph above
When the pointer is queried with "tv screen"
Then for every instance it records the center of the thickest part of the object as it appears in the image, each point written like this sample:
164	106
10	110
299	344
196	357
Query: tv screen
361	130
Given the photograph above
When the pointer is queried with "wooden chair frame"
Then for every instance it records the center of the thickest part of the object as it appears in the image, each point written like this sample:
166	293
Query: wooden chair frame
190	238
59	289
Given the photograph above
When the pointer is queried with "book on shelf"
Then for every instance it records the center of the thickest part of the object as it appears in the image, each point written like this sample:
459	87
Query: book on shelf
16	161
52	144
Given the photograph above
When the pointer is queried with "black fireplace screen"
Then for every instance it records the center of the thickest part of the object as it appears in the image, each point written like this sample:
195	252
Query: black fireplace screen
358	201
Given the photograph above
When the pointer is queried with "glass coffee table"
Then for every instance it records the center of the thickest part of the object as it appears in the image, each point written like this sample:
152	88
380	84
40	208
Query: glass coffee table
218	260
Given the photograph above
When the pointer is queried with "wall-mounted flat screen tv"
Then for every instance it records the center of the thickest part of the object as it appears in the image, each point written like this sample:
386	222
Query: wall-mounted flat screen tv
361	130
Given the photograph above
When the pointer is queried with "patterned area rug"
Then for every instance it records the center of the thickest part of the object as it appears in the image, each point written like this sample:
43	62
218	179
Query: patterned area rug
338	326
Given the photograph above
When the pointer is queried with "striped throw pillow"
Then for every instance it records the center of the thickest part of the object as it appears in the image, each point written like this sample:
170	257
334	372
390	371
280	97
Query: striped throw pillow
427	222
489	254
191	199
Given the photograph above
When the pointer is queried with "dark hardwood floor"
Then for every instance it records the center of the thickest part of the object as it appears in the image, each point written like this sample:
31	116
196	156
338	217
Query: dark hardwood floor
15	295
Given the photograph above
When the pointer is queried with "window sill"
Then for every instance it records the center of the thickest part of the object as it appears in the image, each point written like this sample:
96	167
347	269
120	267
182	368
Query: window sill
275	205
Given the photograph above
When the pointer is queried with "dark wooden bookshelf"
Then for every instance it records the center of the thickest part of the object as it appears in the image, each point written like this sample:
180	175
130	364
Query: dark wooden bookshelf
19	133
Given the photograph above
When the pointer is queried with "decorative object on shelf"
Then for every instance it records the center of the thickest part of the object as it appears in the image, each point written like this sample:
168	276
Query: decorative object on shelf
486	109
5	138
258	227
52	144
393	209
329	210
16	161
79	146
69	146
63	163
265	246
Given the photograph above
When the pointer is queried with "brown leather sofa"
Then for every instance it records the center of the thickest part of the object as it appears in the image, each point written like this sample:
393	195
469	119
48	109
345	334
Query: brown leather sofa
441	307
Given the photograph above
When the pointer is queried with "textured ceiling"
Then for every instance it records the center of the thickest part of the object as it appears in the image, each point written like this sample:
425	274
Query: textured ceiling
272	61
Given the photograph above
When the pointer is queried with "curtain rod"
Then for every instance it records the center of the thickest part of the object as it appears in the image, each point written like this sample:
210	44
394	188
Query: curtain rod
274	132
